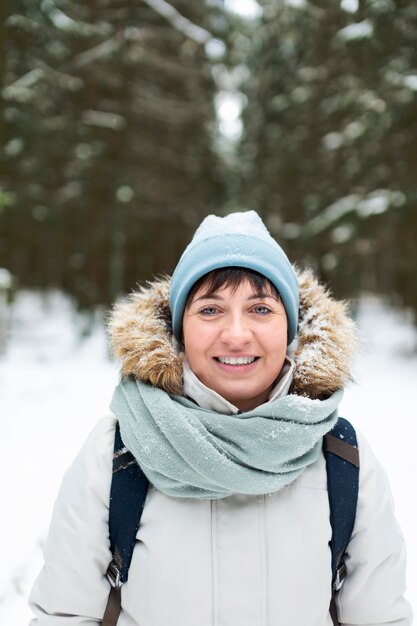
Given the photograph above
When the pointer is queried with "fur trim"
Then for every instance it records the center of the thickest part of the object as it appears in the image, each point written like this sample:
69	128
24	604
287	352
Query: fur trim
140	336
326	341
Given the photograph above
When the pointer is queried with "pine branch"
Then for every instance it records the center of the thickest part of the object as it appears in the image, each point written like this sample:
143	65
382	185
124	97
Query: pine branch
64	80
101	51
179	22
21	88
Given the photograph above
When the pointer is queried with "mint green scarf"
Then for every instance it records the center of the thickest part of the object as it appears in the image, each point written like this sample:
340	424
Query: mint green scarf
190	452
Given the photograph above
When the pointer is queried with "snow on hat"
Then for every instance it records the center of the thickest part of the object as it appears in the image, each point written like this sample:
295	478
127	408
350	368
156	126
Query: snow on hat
237	240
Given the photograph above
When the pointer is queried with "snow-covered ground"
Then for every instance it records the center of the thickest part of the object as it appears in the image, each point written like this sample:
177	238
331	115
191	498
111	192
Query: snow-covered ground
54	386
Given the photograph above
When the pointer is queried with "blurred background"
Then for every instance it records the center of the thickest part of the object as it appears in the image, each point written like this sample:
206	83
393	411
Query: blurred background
123	123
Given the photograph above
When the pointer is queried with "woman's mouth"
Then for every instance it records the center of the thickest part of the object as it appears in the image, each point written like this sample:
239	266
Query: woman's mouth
236	360
236	363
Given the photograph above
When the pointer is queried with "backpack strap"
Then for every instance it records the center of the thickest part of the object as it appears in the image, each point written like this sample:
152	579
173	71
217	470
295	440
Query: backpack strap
128	491
340	448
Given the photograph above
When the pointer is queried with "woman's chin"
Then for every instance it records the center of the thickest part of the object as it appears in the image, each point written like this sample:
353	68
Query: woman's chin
243	398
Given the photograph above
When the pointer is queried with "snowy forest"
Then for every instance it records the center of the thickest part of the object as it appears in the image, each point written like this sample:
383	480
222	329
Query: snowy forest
124	123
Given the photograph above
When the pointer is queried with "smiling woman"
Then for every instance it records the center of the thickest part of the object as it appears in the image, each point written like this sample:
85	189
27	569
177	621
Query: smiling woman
235	336
226	415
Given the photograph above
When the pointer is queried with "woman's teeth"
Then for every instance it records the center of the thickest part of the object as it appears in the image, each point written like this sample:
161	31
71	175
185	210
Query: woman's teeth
231	360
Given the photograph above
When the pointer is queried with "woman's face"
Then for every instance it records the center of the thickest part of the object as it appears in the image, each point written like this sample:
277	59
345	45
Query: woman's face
235	342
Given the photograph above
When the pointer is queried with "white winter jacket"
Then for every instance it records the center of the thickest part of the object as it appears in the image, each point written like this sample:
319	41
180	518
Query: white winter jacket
238	561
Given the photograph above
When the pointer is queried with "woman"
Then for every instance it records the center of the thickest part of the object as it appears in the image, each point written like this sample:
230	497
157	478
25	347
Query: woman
228	428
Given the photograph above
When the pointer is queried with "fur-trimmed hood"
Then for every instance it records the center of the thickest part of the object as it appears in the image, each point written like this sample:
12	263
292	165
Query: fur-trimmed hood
140	336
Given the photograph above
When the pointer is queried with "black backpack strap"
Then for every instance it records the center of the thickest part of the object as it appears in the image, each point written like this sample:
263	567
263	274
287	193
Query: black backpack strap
342	462
128	491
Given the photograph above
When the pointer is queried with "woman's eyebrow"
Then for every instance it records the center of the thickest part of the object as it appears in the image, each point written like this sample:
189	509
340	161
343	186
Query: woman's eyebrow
208	296
256	296
262	295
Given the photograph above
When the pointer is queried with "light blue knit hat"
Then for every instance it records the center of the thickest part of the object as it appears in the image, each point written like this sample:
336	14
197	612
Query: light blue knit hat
237	240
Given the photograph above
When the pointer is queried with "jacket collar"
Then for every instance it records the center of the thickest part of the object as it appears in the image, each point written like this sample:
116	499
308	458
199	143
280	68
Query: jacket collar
141	337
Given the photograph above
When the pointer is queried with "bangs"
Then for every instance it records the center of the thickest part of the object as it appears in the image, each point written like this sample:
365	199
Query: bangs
232	277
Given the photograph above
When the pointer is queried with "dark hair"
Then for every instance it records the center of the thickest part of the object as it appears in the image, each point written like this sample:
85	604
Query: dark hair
232	277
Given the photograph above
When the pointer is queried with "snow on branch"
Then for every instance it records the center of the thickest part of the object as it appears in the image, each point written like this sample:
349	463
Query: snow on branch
374	203
66	81
24	23
179	22
103	119
20	89
358	30
84	29
98	52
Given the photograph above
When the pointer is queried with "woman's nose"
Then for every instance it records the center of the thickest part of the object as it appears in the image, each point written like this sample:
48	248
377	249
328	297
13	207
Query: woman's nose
236	330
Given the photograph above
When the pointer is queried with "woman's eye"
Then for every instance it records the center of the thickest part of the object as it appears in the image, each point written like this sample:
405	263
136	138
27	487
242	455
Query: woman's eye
262	310
209	310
